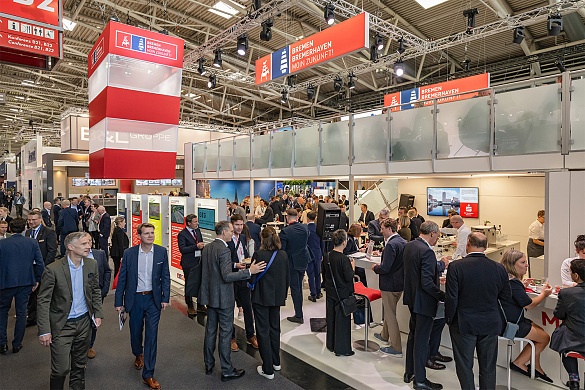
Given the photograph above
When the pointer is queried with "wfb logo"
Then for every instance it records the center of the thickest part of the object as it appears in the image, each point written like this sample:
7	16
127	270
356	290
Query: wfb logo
138	43
280	63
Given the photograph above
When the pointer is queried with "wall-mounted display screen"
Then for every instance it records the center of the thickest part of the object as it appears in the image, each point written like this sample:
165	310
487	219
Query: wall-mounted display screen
178	214
136	208
141	182
79	182
121	206
94	182
206	218
108	182
154	210
154	182
464	200
177	182
165	182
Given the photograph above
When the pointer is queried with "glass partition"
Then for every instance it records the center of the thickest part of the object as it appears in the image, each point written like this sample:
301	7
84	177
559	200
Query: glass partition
463	128
411	136
212	156
528	120
369	139
578	115
282	149
261	151
198	157
307	147
226	154
242	153
335	143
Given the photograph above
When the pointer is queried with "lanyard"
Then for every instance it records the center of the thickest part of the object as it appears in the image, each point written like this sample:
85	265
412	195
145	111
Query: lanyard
34	233
194	236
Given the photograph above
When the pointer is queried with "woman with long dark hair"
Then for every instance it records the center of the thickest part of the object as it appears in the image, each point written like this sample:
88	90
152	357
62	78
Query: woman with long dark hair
120	243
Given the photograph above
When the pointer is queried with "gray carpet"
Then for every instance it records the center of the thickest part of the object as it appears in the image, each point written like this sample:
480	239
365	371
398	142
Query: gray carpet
179	359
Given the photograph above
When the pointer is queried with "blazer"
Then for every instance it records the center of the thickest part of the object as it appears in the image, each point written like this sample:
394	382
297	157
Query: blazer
391	269
120	242
271	289
56	295
341	267
217	290
571	310
374	231
46	218
128	278
415	227
187	246
294	239
234	255
47	239
268	215
68	221
17	254
105	225
255	231
316	246
367	218
352	245
405	233
277	207
56	210
421	278
104	270
474	285
239	210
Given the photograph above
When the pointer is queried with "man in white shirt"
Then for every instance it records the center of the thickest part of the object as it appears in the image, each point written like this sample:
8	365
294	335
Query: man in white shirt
535	247
566	266
462	232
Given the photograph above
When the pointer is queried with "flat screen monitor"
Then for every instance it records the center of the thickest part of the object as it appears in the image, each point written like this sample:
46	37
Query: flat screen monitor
121	206
154	182
177	182
141	182
108	182
206	218
94	182
154	210
464	200
79	182
178	214
165	182
136	208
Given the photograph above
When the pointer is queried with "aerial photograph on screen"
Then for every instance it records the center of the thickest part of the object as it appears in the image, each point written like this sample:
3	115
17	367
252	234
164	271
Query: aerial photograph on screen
136	208
153	210
178	214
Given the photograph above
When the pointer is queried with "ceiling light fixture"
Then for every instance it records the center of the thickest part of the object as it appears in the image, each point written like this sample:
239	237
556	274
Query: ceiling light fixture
337	84
351	83
242	44
212	81
426	4
200	68
266	33
401	48
470	14
217	61
291	80
224	10
68	24
399	68
560	66
518	35
284	97
310	92
466	64
373	53
379	41
329	14
555	25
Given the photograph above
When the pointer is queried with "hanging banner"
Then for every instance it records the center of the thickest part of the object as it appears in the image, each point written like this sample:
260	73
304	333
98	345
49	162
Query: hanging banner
443	92
340	40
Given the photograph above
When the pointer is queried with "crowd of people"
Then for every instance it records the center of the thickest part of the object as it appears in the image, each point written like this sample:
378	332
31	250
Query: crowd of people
253	266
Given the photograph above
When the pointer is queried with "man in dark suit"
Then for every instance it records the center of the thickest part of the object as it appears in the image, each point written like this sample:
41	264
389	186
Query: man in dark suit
47	240
278	208
344	200
217	292
46	214
144	288
391	271
190	244
474	285
56	210
375	227
105	275
268	215
4	216
68	223
343	218
294	239
366	217
69	299
104	227
317	247
422	295
18	278
254	230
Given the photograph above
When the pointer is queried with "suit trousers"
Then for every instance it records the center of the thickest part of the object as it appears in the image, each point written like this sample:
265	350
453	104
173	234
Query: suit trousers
20	296
94	331
338	328
314	276
31	308
417	346
95	235
224	318
104	245
296	290
188	300
69	354
242	294
144	316
267	320
436	333
390	329
18	210
487	354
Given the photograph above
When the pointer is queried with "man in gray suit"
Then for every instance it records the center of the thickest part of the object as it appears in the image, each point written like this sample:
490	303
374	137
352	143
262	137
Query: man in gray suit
217	293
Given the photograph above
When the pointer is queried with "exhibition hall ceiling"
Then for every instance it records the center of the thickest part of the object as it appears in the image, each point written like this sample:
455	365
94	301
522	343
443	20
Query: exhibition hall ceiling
33	100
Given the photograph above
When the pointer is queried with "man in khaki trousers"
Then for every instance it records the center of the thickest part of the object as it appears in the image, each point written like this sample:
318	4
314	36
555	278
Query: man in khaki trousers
391	271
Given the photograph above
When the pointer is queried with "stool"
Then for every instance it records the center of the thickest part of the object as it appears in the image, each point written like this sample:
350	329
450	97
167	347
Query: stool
369	295
509	356
572	354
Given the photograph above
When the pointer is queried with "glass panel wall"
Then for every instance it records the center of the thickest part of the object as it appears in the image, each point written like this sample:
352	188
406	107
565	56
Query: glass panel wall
335	143
198	157
578	115
261	151
242	156
226	152
369	139
282	149
307	147
212	156
412	134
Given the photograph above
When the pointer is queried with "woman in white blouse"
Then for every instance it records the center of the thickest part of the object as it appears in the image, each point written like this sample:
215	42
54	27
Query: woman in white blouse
566	267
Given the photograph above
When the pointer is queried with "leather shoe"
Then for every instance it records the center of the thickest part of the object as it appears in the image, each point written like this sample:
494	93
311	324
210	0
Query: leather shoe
312	298
320	295
298	320
16	349
539	375
573	385
3	348
191	311
208	370
201	309
234	346
152	383
441	358
435	366
408	378
139	362
350	353
253	342
236	374
427	385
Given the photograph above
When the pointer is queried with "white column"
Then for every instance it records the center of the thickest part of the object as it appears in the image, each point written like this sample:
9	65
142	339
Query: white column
351	200
336	189
252	205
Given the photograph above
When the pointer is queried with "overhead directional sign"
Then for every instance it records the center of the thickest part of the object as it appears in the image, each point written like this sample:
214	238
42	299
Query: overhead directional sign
342	39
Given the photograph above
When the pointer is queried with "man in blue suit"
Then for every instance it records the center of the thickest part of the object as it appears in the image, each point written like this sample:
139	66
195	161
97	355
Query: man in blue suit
68	223
144	288
190	243
18	278
254	231
104	227
294	239
105	275
317	248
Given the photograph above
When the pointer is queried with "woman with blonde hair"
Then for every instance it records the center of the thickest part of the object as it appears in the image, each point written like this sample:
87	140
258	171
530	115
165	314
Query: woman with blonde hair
308	208
404	230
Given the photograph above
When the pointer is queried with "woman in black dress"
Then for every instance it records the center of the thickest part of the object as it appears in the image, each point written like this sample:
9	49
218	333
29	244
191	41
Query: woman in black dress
120	243
341	267
516	265
268	295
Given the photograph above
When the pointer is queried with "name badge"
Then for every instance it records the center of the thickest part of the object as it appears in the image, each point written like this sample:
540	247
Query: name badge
197	253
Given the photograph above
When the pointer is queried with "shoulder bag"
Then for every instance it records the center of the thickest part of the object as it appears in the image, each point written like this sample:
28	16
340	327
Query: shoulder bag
511	327
252	285
349	304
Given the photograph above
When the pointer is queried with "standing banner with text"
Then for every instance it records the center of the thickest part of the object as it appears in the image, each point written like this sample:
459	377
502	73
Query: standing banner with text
342	39
443	92
177	216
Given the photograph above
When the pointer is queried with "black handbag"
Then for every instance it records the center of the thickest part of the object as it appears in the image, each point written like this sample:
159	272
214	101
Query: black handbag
349	304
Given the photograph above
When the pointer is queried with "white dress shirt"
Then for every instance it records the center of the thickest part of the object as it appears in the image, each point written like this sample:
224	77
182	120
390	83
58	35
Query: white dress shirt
145	260
536	230
566	271
462	234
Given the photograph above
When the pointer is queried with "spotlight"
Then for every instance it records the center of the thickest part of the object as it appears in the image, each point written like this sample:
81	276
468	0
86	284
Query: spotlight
291	80
466	65
329	14
401	48
257	4
560	66
266	33
212	81
399	68
470	13
242	44
337	84
200	68
518	35
164	32
351	83
217	61
379	42
284	97
311	92
373	53
114	18
555	25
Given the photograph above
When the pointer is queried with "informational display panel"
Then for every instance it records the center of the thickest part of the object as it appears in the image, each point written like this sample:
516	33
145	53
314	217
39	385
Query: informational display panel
75	134
209	212
158	215
463	200
123	204
179	208
139	214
